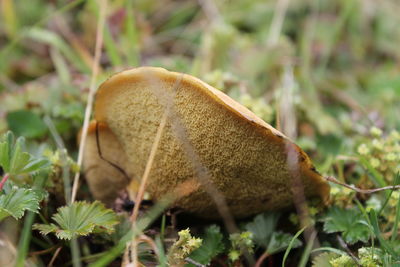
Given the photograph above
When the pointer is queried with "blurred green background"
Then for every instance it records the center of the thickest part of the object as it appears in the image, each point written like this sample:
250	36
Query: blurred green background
331	68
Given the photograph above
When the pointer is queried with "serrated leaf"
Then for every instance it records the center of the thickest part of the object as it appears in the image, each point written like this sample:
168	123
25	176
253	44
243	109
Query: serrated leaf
262	227
212	246
34	165
15	201
348	221
80	219
280	241
26	123
264	232
14	161
46	229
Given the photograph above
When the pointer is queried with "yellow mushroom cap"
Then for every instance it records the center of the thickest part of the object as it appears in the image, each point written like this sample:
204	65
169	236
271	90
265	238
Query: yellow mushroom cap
244	157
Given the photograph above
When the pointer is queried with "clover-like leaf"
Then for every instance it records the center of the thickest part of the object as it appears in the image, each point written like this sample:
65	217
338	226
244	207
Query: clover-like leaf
79	219
348	221
15	201
212	246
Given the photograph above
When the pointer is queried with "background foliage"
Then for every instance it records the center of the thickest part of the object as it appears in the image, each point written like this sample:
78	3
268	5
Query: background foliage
332	67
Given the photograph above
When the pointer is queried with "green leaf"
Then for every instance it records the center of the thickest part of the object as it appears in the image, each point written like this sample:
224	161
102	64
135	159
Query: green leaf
6	148
26	123
35	164
263	227
350	222
280	241
291	244
80	219
18	158
14	161
212	246
15	201
385	244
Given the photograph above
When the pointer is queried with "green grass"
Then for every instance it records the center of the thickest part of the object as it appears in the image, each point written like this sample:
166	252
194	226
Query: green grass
344	59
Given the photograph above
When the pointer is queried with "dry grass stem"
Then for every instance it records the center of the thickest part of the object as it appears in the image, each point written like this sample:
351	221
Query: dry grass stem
74	40
345	247
211	10
201	172
277	22
145	177
139	197
288	122
92	89
54	257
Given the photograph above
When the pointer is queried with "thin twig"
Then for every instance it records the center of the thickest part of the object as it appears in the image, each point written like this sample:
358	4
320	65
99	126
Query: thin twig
359	190
54	257
92	88
195	263
42	252
345	247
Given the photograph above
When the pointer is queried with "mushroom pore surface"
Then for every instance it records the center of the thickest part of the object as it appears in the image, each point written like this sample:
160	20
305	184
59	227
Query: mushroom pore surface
209	139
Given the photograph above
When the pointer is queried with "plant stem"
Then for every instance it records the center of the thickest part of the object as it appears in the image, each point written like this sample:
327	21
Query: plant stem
3	180
76	262
26	234
25	239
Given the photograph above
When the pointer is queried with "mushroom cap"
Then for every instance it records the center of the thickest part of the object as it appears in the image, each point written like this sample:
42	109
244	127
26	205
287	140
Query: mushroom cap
245	158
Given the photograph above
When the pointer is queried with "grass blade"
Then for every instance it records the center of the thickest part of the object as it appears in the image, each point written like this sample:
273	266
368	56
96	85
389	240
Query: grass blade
289	248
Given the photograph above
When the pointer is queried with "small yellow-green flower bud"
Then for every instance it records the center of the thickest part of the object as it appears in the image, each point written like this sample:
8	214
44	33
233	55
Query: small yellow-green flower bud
395	135
375	131
335	191
396	148
390	157
377	144
375	163
363	149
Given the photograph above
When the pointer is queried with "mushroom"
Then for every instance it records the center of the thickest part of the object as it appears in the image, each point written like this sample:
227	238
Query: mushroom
245	158
105	164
